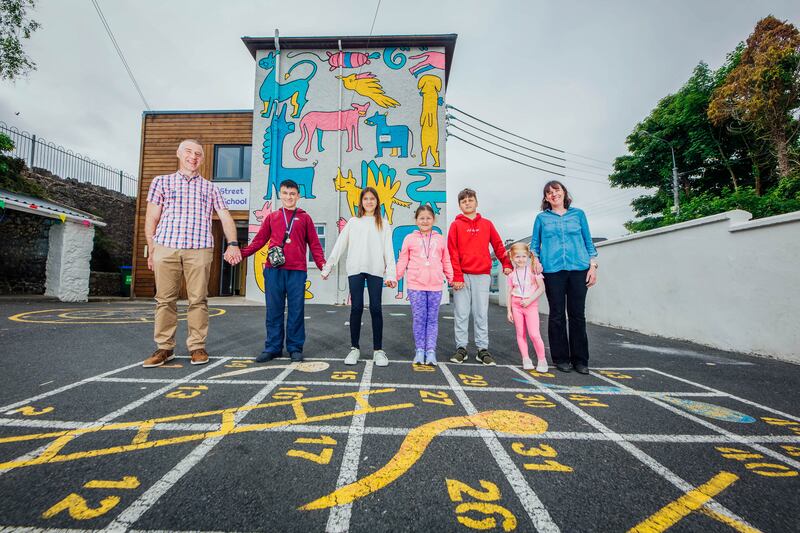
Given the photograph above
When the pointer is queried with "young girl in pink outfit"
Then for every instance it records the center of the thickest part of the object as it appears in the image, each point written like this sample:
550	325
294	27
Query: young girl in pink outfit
426	263
524	290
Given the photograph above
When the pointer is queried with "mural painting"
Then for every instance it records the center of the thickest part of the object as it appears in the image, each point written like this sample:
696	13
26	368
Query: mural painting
307	95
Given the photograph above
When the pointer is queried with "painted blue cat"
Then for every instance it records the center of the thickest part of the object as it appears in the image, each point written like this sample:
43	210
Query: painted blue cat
392	137
295	91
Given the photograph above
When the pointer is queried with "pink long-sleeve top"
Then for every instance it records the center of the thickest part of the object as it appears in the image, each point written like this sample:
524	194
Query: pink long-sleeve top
425	261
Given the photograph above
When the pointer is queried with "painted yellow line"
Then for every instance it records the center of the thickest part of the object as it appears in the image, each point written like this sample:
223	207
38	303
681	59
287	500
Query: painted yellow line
414	445
128	482
227	427
65	318
695	499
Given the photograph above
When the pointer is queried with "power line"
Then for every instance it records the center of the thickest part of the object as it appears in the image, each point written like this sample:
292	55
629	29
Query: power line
119	52
559	150
452	117
525	155
366	49
504	157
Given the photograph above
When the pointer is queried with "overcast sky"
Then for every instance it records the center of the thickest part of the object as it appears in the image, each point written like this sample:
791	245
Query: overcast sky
573	75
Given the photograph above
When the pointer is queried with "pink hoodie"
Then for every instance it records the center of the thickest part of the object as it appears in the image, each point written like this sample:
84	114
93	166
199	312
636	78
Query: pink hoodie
416	251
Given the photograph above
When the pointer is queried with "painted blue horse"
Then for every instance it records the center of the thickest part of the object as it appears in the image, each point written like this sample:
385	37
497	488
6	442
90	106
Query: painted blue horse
278	129
295	91
432	198
392	137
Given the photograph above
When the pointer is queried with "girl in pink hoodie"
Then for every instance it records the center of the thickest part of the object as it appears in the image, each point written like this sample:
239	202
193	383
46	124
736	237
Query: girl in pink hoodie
426	262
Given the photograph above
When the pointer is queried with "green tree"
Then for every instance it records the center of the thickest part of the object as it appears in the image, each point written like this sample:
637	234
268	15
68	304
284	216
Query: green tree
14	26
763	90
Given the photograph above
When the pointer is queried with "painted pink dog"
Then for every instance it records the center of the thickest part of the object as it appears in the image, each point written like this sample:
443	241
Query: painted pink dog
329	121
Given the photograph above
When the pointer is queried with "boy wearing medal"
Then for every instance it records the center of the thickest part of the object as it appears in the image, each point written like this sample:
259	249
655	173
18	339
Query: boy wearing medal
468	242
293	230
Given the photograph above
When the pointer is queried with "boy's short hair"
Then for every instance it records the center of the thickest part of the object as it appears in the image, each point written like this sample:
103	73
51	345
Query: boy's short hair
467	193
290	184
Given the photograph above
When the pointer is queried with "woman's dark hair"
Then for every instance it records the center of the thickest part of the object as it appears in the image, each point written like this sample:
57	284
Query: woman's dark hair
423	208
553	184
377	214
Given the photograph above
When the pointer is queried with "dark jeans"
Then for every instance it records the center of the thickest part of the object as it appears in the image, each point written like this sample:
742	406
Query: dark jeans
282	286
375	288
566	291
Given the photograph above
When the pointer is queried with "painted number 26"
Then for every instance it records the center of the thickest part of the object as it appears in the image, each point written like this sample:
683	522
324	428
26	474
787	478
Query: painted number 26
490	493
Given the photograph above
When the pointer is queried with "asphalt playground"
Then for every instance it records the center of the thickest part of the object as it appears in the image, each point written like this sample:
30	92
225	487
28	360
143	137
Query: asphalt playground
663	435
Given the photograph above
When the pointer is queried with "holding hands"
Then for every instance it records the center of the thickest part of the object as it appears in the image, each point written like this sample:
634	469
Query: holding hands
233	255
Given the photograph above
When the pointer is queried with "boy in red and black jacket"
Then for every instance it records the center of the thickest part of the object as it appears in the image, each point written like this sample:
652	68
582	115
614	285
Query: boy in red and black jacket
294	228
468	243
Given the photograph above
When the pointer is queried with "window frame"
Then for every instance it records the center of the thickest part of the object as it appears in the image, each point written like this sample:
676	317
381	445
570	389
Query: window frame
241	177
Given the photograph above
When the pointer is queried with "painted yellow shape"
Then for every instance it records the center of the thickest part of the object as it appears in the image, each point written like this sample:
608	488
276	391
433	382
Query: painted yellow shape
308	295
794	451
85	317
728	521
694	500
344	375
369	86
387	190
771	470
423	368
615	375
414	445
79	510
542	450
509	520
322	458
429	87
259	260
29	410
228	426
536	374
325	440
548	466
127	482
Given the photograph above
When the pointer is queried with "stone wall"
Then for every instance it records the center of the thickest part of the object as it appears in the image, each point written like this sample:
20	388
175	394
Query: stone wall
24	237
113	243
24	252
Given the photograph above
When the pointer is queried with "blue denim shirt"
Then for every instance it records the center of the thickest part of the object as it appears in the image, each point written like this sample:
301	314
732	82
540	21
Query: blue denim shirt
562	242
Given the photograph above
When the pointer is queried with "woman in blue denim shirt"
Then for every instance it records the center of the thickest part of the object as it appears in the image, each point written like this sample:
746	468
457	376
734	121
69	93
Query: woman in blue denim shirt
562	243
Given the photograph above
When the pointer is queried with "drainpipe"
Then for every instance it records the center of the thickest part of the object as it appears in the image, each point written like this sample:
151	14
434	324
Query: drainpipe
276	72
339	288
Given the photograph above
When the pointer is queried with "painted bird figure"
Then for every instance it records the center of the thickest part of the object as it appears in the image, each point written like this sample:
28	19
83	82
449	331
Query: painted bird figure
366	84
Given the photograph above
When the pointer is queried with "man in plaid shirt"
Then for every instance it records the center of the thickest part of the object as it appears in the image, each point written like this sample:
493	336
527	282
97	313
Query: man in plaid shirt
180	243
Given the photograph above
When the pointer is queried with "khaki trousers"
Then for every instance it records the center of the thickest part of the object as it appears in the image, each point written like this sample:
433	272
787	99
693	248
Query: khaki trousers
170	266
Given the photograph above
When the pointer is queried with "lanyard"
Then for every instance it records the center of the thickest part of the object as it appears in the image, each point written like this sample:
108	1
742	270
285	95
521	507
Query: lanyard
427	249
289	225
522	284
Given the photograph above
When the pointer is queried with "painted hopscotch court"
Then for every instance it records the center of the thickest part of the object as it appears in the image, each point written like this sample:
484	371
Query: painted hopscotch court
239	446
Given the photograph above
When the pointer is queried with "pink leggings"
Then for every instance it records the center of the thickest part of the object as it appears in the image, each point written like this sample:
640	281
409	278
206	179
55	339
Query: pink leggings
527	316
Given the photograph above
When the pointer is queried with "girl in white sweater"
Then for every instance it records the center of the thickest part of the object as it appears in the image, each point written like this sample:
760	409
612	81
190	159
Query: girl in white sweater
367	239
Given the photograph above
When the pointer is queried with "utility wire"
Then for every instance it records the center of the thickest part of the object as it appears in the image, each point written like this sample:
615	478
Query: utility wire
366	49
119	52
504	157
453	117
559	150
524	155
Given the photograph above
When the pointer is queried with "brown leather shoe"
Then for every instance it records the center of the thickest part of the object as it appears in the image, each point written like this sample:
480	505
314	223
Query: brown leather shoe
199	356
158	358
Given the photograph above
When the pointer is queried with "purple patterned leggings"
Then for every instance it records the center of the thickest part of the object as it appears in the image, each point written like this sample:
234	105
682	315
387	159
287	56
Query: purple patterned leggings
425	314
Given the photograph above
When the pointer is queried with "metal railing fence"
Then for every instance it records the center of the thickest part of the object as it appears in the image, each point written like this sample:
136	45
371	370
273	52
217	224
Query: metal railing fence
64	163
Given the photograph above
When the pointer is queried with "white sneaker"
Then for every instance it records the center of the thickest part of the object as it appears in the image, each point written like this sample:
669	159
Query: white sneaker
419	358
352	357
527	364
430	358
379	356
541	366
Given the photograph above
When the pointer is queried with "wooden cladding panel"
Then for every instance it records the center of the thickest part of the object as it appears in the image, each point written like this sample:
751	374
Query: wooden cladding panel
161	135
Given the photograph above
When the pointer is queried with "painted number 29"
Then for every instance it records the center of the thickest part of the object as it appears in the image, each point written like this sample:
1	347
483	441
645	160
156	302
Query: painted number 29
490	493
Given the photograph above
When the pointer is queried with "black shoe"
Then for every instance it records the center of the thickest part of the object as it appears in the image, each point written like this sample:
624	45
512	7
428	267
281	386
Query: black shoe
297	357
484	357
266	357
460	355
564	367
581	369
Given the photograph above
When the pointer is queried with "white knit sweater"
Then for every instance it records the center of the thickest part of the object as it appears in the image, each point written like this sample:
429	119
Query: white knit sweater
368	249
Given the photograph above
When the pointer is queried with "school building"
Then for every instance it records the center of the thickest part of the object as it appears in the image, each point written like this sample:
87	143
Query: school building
335	115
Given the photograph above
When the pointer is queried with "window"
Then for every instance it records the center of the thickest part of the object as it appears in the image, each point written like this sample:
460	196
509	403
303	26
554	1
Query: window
232	162
321	235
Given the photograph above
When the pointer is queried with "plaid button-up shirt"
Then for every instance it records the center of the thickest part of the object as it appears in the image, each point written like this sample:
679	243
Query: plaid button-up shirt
186	209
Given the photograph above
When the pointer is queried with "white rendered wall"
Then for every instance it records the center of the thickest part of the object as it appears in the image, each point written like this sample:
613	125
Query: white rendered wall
68	257
720	281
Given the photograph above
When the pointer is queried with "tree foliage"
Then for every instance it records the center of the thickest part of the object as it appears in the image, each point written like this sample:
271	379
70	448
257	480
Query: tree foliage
15	25
725	160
